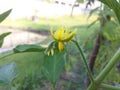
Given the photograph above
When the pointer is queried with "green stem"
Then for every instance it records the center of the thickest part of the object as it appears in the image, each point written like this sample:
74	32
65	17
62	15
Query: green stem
108	67
106	70
85	61
109	87
53	86
9	86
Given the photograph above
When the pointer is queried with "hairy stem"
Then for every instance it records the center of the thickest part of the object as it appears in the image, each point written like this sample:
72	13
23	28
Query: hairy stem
106	70
85	61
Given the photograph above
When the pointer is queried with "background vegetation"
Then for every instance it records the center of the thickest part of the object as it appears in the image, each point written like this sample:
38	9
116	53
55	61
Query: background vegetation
26	66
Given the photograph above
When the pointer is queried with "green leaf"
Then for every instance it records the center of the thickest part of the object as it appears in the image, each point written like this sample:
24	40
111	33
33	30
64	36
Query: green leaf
110	31
2	36
4	15
53	65
8	72
114	5
28	48
94	11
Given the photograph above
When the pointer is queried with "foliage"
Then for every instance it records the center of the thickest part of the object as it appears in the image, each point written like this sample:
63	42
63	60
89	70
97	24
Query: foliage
7	73
30	77
52	61
53	66
114	5
28	65
28	48
4	15
109	31
2	36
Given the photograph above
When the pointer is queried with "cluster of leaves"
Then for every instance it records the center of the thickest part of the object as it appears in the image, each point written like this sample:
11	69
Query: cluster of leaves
109	30
7	72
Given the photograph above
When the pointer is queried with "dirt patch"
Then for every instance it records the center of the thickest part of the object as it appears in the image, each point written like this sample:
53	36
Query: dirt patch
41	32
22	36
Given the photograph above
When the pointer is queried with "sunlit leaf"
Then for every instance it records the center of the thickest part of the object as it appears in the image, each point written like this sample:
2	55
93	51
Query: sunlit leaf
4	15
2	36
28	48
8	72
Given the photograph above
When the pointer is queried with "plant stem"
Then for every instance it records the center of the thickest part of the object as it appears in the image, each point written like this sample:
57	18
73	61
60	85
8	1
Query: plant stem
53	86
106	70
85	61
109	87
108	67
93	56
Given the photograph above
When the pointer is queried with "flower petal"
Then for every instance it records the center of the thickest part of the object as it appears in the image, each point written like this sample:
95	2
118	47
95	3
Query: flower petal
66	33
59	34
52	34
69	36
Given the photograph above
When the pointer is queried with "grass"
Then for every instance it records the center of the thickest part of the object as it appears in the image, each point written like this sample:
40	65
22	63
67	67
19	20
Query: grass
46	23
28	65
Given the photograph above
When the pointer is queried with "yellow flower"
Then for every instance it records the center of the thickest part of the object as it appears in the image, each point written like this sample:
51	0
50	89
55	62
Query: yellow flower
62	35
51	52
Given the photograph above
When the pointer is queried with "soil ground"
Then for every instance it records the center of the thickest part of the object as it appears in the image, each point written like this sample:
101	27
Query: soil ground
21	36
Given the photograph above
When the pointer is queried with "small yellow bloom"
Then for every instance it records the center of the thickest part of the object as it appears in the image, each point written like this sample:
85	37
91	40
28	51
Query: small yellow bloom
62	35
50	52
